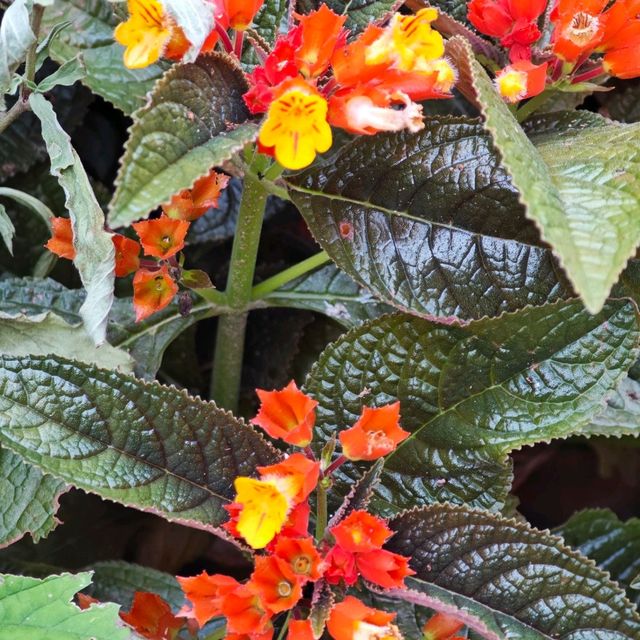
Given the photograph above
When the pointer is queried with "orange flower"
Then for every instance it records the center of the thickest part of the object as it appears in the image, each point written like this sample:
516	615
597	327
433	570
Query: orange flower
349	62
297	475
267	635
441	627
621	40
151	617
521	80
340	566
322	31
244	612
152	291
192	203
61	242
205	593
127	255
361	532
579	27
276	584
162	237
301	556
296	125
240	13
148	34
351	619
297	523
300	630
383	568
375	434
288	414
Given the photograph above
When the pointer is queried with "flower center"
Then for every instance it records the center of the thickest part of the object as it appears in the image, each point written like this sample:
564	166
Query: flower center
583	28
284	589
302	565
377	439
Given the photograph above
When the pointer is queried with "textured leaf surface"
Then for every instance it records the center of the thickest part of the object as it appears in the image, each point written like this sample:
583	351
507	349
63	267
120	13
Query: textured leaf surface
117	581
95	255
331	292
16	37
429	222
614	545
181	134
43	610
271	19
359	12
91	33
523	583
469	395
621	416
29	500
140	444
582	190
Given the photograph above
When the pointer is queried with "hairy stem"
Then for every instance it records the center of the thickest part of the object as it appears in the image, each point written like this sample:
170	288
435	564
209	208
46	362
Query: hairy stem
321	514
229	349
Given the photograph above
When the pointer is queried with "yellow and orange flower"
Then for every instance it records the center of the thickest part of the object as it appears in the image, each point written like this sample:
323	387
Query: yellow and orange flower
152	291
376	433
240	13
361	532
192	203
288	414
61	242
127	255
578	27
351	619
205	593
442	627
296	126
162	237
521	80
149	34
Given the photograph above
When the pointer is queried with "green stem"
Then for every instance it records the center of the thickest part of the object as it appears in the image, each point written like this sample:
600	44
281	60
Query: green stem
227	362
321	514
285	626
282	278
532	105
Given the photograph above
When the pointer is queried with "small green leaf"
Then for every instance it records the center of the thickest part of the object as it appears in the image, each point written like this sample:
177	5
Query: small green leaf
517	581
582	189
30	202
43	610
470	395
95	254
614	545
92	35
29	500
140	444
16	37
7	230
68	73
181	134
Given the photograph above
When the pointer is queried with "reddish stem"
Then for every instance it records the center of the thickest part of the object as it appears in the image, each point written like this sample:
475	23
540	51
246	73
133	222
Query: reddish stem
557	70
309	453
336	464
224	38
239	41
588	75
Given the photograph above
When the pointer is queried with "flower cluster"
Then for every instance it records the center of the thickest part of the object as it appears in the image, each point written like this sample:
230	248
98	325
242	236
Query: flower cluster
155	283
272	512
579	28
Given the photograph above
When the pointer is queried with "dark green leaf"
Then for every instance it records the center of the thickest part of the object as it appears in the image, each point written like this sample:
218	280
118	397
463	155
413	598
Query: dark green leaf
141	444
519	582
91	34
68	73
271	19
472	394
360	13
621	417
614	545
180	134
429	222
29	500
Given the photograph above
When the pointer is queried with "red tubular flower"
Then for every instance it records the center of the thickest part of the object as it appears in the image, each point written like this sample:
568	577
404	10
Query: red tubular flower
512	22
162	237
152	291
288	414
151	617
441	627
300	630
267	635
61	242
301	556
375	434
192	203
240	13
127	255
351	619
521	80
579	28
383	568
276	584
322	31
340	566
349	63
244	612
361	532
205	594
621	39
